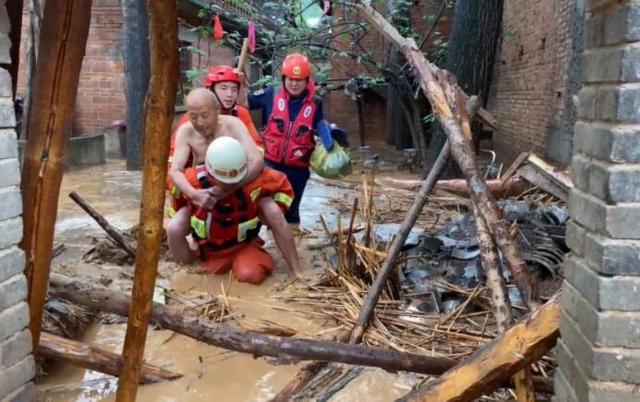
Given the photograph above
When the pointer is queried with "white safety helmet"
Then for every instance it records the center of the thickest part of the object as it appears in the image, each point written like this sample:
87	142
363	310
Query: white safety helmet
226	160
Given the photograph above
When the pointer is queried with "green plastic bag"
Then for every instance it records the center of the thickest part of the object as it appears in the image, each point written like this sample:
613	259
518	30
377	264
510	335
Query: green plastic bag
334	164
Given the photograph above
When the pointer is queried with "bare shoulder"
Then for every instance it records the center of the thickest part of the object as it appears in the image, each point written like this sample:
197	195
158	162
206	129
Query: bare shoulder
231	126
185	133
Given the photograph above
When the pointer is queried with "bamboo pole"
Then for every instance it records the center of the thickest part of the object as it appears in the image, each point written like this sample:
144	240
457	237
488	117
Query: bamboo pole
94	358
104	224
159	105
65	27
204	330
440	89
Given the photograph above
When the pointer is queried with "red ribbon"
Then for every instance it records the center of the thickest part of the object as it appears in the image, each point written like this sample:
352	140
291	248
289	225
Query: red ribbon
218	33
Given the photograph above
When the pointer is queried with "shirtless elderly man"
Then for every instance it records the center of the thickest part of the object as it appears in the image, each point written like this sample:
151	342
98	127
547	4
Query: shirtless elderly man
192	139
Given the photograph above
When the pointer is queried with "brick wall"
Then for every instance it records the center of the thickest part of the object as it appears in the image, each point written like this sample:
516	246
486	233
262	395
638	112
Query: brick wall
599	351
17	367
101	87
536	73
341	109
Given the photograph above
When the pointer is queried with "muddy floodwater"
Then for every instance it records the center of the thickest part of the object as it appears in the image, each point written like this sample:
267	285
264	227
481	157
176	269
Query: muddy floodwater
210	373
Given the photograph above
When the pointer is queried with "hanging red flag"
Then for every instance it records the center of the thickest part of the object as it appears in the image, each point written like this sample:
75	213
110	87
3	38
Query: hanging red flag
218	33
252	36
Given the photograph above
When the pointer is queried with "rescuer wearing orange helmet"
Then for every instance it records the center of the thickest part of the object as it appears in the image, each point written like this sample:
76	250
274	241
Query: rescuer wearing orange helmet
292	116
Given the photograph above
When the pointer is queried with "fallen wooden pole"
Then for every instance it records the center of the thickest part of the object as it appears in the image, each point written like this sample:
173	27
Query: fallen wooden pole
442	92
494	364
161	96
196	327
96	359
114	233
65	27
370	301
513	186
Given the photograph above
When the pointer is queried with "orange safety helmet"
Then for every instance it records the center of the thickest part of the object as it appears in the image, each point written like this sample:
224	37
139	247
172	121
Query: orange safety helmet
296	66
221	73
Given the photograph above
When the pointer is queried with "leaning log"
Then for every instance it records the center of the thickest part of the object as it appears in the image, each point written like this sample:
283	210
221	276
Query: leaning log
113	233
202	329
96	359
513	186
442	92
161	97
65	28
494	364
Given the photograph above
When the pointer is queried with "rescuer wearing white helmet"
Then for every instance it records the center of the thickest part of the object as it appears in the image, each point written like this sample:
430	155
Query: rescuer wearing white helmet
192	139
227	232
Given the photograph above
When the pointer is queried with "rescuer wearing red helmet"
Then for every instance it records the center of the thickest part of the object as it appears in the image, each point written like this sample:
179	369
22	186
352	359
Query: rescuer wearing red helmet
292	116
206	123
224	82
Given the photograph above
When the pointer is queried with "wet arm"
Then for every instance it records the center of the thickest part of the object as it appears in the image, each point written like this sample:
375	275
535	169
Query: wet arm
179	163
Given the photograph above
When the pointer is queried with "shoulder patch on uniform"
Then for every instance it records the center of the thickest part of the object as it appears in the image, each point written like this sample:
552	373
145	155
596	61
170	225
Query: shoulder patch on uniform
258	92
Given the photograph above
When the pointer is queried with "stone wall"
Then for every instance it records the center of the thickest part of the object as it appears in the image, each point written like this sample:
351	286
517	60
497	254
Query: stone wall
599	351
16	362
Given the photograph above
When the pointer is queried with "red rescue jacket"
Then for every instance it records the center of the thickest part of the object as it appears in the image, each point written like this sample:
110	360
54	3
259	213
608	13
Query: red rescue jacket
235	219
290	142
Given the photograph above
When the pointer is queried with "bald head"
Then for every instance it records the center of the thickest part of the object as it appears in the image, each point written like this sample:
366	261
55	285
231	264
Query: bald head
203	109
201	98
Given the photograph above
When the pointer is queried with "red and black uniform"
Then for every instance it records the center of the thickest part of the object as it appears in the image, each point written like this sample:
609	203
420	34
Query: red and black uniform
290	142
227	235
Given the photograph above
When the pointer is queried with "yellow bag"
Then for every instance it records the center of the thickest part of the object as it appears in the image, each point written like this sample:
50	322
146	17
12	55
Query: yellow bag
334	164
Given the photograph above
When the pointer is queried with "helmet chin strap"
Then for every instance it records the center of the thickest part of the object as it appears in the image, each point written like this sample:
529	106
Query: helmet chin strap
224	109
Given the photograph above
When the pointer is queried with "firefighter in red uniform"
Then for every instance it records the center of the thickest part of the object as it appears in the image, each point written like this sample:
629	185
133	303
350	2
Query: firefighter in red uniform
227	233
225	84
289	134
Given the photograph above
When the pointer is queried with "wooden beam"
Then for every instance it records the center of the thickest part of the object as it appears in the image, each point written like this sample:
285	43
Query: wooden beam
65	27
96	359
159	105
189	324
549	178
485	370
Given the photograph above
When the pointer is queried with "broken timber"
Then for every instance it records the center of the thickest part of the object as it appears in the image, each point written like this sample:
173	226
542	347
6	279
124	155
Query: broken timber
196	327
512	186
485	370
114	233
442	92
94	358
547	177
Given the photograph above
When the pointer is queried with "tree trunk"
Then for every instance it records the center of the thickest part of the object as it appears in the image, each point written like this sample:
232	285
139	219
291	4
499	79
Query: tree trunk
485	370
158	116
201	329
471	53
94	358
136	63
65	28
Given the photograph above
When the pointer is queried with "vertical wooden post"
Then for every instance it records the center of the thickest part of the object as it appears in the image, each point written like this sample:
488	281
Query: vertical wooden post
65	28
136	65
159	105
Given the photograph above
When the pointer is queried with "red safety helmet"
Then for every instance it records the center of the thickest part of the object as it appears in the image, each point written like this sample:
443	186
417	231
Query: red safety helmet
221	73
296	66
